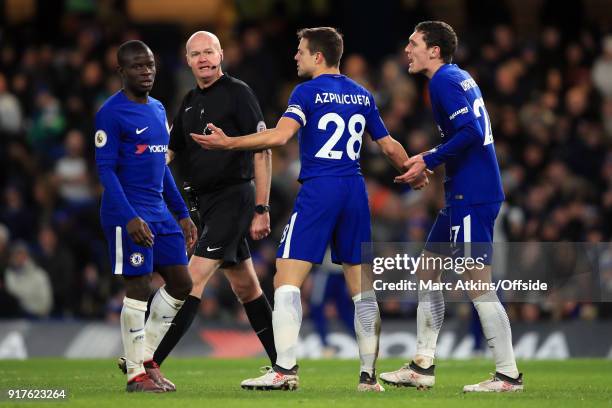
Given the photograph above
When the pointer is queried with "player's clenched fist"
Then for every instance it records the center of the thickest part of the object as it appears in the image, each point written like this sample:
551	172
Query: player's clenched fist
260	226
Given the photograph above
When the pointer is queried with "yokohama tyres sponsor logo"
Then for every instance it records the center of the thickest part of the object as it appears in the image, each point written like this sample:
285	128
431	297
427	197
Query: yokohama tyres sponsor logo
459	112
140	149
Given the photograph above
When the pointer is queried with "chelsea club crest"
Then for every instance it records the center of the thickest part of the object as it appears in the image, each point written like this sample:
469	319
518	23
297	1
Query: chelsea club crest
136	259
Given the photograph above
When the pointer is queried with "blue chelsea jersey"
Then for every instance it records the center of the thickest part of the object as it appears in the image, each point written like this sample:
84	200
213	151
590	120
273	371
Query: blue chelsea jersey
467	149
131	143
333	112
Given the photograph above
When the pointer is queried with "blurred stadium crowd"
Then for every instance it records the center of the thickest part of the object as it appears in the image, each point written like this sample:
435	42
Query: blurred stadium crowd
549	97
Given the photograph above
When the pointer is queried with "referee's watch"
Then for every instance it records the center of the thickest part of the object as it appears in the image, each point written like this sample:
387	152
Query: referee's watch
262	209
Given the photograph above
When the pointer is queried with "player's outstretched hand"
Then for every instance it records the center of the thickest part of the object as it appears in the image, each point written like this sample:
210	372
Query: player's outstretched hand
415	166
190	231
260	226
139	232
216	140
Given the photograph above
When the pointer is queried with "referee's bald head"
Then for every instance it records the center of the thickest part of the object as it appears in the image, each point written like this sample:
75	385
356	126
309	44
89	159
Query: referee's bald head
206	35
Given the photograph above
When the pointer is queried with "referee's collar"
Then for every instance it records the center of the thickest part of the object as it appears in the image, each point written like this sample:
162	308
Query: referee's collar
214	84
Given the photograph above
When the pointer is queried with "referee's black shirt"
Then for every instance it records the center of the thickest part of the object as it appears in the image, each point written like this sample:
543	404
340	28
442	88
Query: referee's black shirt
229	104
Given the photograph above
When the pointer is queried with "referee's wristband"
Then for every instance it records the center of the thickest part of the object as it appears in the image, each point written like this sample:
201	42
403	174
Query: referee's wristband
262	209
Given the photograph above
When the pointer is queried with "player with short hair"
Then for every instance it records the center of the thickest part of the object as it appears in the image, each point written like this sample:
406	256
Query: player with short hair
330	113
464	227
131	142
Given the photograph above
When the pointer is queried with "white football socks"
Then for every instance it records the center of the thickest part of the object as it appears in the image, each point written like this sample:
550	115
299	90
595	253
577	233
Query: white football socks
430	315
496	328
133	334
367	329
163	310
286	323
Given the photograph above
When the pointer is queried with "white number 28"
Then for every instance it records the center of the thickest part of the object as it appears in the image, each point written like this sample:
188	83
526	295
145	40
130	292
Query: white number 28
353	145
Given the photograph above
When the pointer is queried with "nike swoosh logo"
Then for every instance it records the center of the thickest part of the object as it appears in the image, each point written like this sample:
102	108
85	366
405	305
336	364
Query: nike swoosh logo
209	249
139	131
167	317
135	330
187	108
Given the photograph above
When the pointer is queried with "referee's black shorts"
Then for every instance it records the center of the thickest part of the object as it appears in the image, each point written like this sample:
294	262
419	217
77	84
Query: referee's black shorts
225	217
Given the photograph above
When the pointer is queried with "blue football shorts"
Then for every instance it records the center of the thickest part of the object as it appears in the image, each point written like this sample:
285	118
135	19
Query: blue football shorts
130	259
464	231
330	211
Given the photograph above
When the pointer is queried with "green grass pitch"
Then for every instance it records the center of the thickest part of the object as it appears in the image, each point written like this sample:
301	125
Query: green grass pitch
206	383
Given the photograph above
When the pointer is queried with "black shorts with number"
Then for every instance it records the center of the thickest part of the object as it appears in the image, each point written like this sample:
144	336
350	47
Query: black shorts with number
225	218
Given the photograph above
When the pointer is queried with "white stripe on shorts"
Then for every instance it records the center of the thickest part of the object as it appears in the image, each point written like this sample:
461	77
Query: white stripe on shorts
288	239
118	252
467	236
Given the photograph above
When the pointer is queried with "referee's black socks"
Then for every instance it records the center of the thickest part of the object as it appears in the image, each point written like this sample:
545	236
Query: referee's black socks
178	328
259	313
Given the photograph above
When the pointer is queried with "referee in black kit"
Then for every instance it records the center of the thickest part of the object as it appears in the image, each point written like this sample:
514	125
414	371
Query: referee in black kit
230	206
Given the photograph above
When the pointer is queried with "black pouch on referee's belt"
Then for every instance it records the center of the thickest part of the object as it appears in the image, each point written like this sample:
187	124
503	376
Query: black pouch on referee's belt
193	199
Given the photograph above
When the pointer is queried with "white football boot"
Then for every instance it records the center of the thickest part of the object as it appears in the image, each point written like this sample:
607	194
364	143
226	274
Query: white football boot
497	383
272	380
411	375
